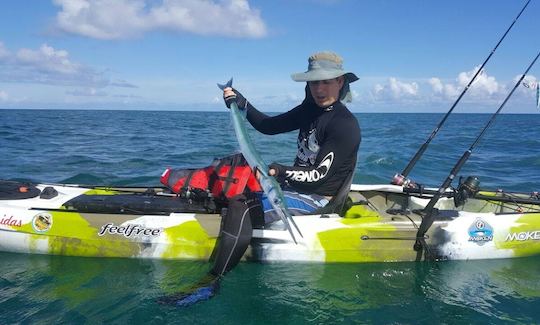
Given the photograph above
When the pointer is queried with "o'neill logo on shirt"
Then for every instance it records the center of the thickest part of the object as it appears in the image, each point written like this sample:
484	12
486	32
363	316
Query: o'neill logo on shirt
312	175
129	230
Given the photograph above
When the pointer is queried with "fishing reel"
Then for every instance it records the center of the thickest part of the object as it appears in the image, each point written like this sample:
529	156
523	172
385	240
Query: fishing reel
466	190
401	180
195	194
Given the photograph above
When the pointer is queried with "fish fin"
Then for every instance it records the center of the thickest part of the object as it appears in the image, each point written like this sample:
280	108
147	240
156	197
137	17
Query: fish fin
226	85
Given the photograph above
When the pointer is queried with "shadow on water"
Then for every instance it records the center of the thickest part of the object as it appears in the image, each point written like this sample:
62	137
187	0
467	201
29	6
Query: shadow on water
53	289
495	291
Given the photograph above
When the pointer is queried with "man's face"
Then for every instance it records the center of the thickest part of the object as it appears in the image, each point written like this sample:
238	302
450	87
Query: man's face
325	92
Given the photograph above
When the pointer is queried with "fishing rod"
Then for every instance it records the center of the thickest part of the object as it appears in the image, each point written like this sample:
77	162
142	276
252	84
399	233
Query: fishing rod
428	213
401	179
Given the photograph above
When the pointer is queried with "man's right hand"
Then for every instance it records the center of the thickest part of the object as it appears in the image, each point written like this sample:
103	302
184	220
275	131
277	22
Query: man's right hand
231	95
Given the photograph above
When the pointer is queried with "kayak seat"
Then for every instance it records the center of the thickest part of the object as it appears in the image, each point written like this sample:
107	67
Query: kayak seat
13	190
340	202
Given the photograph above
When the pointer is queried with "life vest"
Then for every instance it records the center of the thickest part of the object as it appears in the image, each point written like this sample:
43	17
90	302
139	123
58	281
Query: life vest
224	178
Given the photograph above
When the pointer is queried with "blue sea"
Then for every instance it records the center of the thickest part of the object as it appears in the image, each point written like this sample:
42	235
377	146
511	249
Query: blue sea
134	147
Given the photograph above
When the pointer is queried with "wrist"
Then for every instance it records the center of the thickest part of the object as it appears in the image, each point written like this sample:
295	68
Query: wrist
279	170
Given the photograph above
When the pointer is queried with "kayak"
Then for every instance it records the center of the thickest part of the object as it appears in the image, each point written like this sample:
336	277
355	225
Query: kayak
379	223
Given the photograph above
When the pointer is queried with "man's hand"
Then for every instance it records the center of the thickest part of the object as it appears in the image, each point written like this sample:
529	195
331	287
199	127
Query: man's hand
276	170
231	95
271	172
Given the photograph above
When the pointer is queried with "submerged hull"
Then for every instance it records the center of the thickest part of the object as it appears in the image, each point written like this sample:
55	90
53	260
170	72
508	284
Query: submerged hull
380	226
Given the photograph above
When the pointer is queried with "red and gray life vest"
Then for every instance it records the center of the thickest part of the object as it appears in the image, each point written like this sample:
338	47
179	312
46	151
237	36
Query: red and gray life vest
224	178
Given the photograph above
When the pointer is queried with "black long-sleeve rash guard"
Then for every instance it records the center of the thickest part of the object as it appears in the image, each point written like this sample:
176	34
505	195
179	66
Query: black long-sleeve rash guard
328	142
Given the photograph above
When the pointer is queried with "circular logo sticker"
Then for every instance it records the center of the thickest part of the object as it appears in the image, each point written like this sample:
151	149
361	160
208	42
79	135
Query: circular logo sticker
42	222
480	224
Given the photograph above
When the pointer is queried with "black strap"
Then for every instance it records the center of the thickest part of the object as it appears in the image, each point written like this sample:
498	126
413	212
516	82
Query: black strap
187	182
338	201
233	161
236	159
214	175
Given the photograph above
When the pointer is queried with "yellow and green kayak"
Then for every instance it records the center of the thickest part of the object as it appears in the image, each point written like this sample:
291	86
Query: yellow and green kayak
379	224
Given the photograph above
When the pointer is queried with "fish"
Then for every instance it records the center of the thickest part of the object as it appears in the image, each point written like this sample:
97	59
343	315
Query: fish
536	86
538	94
269	184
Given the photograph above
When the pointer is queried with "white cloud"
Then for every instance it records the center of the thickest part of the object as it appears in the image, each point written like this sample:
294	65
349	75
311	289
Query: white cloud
46	58
120	19
485	92
484	87
50	66
439	89
436	85
395	90
47	65
3	96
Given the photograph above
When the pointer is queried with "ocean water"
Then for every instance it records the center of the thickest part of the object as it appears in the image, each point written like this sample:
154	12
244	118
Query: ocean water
134	147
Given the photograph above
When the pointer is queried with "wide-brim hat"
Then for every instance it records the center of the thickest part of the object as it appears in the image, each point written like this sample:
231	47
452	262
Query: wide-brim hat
324	66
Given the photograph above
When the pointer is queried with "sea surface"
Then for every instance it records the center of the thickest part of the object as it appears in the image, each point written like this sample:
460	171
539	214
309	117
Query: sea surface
134	147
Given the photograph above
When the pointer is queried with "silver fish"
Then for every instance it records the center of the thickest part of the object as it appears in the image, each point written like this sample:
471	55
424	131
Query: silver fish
536	87
268	183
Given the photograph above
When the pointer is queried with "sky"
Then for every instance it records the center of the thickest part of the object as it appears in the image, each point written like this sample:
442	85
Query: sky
411	56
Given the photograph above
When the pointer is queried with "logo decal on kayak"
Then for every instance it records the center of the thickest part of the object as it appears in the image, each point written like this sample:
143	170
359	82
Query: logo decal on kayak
480	232
12	222
523	236
129	230
312	175
42	222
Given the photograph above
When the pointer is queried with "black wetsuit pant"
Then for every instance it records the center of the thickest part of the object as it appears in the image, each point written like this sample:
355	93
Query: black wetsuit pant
236	231
245	212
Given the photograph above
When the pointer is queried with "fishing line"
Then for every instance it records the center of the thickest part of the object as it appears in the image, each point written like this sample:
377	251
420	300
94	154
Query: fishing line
401	179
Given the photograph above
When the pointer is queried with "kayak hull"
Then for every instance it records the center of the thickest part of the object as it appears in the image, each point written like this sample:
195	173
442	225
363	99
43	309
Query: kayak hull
376	229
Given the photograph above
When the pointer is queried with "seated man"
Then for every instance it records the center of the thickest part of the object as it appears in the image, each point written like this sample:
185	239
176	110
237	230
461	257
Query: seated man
328	142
